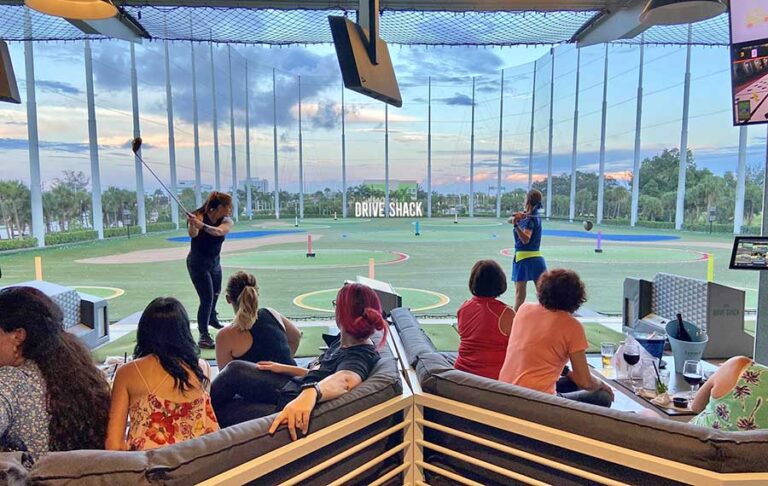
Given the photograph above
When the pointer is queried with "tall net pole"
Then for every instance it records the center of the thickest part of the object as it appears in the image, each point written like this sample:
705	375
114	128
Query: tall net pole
551	132
680	207
472	157
638	133
501	143
533	125
93	145
603	127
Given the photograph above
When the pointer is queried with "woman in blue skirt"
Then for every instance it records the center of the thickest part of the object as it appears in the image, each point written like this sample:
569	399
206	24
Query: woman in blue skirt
528	264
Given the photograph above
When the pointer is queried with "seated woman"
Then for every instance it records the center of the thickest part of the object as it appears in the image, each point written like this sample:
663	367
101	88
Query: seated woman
163	388
733	398
545	336
255	334
484	322
52	397
295	391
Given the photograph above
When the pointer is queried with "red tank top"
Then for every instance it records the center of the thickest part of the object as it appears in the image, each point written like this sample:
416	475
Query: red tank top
483	346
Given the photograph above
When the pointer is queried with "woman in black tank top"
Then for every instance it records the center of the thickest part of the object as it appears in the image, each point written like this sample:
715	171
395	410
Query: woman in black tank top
272	336
208	226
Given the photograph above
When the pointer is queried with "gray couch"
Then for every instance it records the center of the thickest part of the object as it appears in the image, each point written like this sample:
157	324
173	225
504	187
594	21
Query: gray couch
724	452
202	458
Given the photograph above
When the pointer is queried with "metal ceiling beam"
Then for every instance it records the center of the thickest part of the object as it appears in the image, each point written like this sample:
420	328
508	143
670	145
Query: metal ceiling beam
612	24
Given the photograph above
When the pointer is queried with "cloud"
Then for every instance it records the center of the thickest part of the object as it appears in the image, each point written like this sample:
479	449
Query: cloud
457	99
22	144
57	87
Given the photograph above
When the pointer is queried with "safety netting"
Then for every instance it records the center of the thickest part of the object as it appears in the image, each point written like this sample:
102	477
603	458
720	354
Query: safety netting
292	27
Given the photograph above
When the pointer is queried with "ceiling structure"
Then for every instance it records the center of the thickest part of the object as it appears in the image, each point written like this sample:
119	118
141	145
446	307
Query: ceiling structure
405	22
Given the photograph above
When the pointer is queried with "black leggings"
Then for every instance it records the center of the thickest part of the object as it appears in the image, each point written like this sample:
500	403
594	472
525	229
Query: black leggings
206	277
243	392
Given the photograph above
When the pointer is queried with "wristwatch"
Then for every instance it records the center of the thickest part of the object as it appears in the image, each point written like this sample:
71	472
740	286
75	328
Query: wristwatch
316	386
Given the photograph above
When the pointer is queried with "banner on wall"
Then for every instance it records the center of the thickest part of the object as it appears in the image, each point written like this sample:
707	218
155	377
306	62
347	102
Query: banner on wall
376	208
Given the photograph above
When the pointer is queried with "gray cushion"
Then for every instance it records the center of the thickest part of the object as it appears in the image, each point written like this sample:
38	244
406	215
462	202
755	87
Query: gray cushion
403	318
90	468
12	470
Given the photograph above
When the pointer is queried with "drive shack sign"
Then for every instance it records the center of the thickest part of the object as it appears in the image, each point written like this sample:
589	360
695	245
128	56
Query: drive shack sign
377	208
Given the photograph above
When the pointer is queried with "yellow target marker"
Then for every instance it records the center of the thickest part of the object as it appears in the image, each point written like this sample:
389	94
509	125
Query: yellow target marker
116	292
442	299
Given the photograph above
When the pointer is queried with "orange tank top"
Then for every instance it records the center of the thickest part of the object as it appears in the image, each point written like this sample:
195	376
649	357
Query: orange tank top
156	422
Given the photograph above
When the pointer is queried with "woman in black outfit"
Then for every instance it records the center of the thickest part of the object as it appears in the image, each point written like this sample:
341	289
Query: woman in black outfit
256	334
208	226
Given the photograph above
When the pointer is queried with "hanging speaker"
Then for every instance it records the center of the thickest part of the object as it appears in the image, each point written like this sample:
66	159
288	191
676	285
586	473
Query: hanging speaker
9	92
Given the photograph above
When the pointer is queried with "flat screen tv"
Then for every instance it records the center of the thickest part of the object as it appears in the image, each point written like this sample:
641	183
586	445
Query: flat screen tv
749	253
749	21
358	72
749	61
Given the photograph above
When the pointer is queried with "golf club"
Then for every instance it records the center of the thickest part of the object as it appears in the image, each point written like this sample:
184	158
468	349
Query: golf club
136	146
588	225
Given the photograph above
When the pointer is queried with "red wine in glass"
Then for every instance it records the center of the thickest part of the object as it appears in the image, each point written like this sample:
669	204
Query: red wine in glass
693	379
632	359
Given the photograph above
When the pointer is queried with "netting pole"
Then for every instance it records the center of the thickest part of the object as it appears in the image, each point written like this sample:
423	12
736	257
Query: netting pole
301	161
386	160
501	143
575	150
248	185
472	157
761	326
638	131
551	132
343	157
35	183
741	177
93	145
196	129
680	208
171	137
429	147
142	216
235	198
216	162
274	144
533	124
603	126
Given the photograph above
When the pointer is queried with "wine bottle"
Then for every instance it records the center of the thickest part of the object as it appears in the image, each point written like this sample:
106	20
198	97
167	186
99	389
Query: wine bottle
682	332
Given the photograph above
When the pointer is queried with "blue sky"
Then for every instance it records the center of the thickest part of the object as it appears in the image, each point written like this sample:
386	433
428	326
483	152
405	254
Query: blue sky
62	112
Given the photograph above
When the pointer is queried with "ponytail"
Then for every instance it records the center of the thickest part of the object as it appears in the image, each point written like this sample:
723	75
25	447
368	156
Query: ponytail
247	309
358	312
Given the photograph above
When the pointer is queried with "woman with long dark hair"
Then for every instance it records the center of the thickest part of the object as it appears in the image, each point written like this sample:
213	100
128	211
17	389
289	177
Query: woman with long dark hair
208	226
52	397
528	264
163	389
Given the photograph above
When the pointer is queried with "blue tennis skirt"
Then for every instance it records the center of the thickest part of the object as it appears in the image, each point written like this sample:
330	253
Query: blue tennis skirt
528	270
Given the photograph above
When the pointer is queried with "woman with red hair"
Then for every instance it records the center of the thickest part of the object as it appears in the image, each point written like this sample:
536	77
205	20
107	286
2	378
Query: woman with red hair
267	387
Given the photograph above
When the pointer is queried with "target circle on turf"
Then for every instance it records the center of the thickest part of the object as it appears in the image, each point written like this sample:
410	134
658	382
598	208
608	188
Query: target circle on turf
419	300
297	259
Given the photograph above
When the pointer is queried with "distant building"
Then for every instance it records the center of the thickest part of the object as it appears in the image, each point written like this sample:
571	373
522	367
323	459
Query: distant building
394	185
181	185
257	185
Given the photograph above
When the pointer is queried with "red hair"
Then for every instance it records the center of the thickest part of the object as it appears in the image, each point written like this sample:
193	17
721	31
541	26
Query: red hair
358	312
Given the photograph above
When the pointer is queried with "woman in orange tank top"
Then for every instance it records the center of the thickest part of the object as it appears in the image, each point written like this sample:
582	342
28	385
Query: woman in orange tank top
164	390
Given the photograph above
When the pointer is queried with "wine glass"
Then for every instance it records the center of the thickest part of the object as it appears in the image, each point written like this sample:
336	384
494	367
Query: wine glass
631	357
692	374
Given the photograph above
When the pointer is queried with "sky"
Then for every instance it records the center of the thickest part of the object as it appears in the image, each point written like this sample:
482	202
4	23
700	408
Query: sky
63	119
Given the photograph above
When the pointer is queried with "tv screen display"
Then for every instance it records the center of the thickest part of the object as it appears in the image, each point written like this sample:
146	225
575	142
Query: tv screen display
749	21
749	253
749	79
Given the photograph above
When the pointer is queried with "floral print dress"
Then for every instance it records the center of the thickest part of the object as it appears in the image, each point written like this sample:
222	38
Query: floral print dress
741	409
156	422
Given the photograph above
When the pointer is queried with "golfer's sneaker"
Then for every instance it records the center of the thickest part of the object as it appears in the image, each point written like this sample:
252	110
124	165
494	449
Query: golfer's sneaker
206	342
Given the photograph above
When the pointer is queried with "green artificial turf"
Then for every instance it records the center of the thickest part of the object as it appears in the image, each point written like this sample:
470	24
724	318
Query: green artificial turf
297	259
412	298
311	341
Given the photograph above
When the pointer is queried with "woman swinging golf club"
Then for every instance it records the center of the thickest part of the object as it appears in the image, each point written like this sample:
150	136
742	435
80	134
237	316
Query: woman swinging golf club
528	264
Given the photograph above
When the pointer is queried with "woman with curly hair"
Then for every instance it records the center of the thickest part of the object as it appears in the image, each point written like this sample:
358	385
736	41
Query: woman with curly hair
545	337
163	389
267	387
52	397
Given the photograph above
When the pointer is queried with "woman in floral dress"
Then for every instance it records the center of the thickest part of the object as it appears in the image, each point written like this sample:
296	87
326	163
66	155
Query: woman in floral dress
734	398
163	390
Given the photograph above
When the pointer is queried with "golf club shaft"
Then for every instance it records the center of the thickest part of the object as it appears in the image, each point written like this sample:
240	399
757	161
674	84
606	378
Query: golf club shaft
170	193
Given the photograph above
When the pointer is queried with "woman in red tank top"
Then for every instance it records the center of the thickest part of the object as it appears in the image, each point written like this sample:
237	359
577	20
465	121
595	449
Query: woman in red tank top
484	322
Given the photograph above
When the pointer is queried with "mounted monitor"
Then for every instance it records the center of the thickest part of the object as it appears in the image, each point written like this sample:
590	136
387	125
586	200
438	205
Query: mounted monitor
363	57
9	91
749	61
749	253
749	21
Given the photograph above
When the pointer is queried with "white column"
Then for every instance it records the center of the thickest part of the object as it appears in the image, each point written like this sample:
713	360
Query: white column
575	149
343	157
551	133
429	148
603	126
216	162
196	125
235	199
248	185
472	157
386	160
301	161
93	145
741	181
680	208
171	137
274	144
35	181
638	132
501	142
142	214
533	123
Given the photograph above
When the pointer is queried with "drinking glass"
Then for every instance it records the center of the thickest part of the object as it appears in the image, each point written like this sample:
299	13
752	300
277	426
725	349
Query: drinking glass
607	350
631	357
692	374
